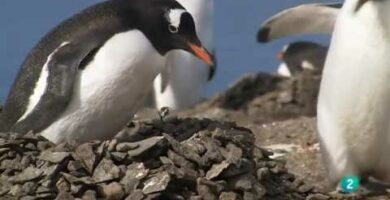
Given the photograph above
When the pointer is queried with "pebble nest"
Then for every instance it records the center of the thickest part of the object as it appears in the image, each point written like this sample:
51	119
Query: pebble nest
170	159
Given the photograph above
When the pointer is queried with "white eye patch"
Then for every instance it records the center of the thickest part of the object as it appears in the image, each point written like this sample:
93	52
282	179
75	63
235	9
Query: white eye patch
174	16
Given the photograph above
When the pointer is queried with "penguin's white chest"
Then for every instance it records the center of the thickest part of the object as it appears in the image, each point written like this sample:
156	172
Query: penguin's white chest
109	90
354	108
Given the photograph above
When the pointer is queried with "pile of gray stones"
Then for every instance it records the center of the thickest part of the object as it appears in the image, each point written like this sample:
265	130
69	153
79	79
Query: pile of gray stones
163	159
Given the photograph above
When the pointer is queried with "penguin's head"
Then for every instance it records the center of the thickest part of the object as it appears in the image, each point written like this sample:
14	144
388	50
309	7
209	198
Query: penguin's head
169	27
297	49
299	56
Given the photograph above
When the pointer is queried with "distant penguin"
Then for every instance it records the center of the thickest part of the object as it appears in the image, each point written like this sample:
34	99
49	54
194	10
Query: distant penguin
353	108
302	56
183	83
304	19
87	77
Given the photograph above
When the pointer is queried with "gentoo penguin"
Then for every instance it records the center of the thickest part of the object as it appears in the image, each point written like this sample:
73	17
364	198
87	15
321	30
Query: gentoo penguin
301	56
86	78
183	82
353	108
303	19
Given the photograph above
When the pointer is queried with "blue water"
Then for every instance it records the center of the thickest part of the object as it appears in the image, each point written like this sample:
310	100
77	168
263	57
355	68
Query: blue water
23	23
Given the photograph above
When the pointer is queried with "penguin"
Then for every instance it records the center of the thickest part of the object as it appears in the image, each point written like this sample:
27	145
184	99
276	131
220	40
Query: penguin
303	19
183	83
301	56
353	107
87	77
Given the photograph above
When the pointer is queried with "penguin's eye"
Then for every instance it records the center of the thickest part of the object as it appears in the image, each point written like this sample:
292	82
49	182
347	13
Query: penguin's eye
173	29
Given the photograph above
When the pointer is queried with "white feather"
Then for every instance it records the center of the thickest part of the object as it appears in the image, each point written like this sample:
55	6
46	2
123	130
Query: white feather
354	108
109	90
174	16
283	70
41	85
307	65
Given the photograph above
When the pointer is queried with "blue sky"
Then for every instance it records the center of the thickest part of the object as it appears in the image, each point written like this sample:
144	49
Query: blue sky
24	22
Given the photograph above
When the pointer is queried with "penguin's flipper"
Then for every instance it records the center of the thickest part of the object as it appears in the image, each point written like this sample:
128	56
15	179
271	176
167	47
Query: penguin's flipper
62	65
303	19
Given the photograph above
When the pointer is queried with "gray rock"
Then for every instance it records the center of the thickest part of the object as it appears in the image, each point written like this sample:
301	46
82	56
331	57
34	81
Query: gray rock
76	189
46	196
29	174
244	182
205	192
54	157
232	154
44	190
228	196
249	196
5	185
145	145
156	183
135	195
113	191
106	171
317	197
29	188
126	146
217	169
43	145
75	180
16	190
87	156
180	160
135	172
64	196
305	188
75	165
89	195
28	198
62	185
112	145
27	161
118	156
185	151
11	164
263	173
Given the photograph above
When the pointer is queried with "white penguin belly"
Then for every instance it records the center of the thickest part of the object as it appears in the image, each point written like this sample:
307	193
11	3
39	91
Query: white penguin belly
188	75
109	90
354	101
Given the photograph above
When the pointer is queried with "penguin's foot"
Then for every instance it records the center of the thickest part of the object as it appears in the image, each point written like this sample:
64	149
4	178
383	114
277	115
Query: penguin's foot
368	188
163	112
375	188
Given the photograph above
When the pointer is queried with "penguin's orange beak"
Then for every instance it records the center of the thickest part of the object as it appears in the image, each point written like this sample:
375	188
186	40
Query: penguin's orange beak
202	54
280	56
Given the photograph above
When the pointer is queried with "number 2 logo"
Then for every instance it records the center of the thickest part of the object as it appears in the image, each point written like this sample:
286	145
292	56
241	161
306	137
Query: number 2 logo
350	184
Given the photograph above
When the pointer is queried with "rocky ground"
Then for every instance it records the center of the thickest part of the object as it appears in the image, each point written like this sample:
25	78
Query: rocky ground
257	140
